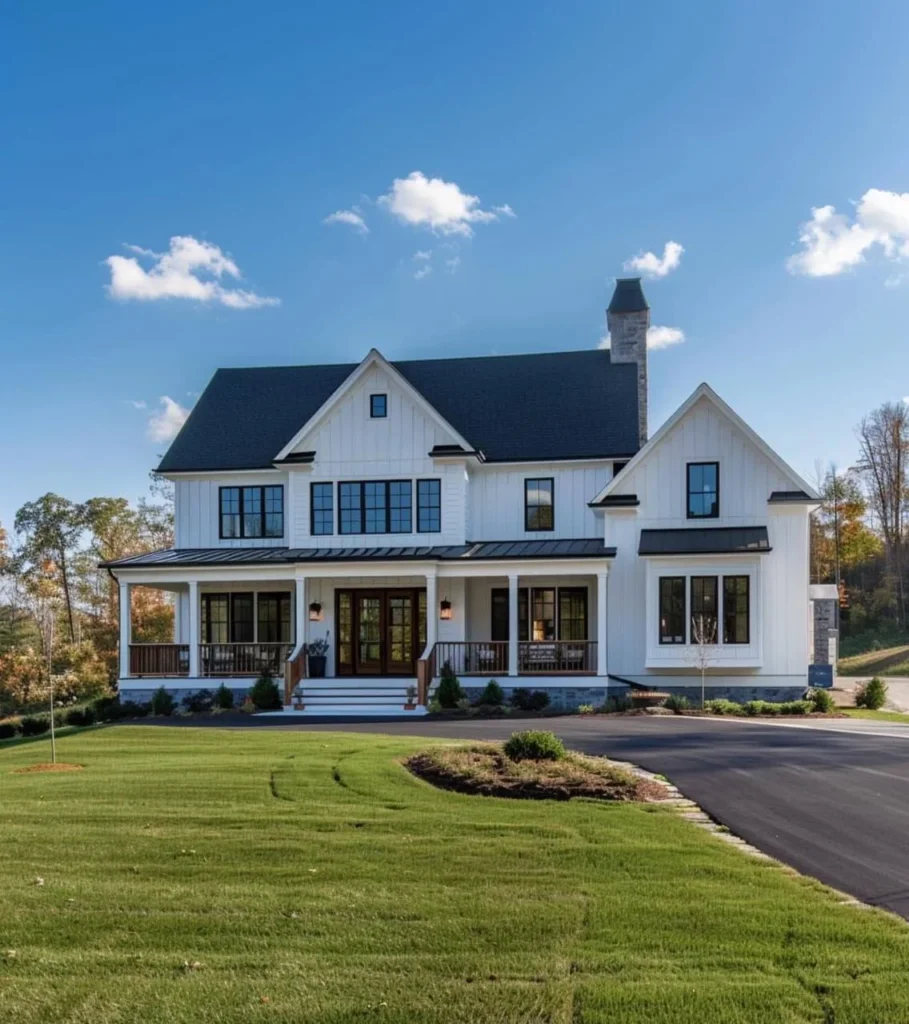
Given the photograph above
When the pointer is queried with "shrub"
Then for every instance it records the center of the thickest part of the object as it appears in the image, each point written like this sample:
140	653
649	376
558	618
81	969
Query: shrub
585	709
539	700
796	707
534	746
492	695
247	706
265	695
132	709
676	702
8	730
463	704
434	707
822	701
723	707
524	700
449	691
199	702
80	716
520	698
873	695
616	704
35	725
106	709
162	703
224	698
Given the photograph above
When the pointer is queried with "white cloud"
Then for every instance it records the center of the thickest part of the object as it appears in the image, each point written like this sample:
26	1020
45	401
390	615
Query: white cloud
165	422
424	271
651	265
422	254
453	264
657	337
190	269
136	404
439	205
351	217
832	243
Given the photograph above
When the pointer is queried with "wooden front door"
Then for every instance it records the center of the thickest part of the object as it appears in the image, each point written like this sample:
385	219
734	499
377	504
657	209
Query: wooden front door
379	632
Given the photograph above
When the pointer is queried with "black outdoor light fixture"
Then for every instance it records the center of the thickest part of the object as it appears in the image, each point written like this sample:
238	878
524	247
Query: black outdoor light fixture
445	609
315	612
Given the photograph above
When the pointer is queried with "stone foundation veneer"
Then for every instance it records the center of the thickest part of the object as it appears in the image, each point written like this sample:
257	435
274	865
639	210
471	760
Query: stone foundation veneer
179	692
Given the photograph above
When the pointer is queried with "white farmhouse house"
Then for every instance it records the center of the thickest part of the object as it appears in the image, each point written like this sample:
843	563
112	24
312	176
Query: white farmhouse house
505	514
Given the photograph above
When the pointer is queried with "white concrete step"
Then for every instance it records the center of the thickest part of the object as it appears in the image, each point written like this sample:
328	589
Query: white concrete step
349	710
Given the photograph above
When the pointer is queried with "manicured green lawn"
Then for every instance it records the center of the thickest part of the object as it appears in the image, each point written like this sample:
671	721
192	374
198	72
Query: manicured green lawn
313	879
877	716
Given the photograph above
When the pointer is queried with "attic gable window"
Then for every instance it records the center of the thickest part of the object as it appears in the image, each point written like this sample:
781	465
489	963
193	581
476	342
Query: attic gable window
378	406
251	512
703	490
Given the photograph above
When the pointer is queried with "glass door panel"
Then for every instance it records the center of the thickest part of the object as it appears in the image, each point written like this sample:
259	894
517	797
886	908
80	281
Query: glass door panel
345	633
399	633
369	634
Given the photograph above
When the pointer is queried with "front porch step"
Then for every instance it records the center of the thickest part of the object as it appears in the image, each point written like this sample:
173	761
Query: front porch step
347	711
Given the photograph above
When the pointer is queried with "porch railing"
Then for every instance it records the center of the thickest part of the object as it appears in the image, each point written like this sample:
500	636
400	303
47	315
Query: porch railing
473	657
557	657
243	659
158	660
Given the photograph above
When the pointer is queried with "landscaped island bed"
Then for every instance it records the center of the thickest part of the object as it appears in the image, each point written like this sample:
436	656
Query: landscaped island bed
204	875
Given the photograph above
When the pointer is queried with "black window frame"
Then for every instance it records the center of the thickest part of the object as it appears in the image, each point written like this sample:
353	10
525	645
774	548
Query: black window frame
537	480
692	612
324	486
737	612
283	617
373	404
715	513
617	467
260	517
359	487
499	626
671	633
231	598
429	507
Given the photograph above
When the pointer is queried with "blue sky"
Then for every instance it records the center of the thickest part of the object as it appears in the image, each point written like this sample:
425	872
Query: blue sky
609	130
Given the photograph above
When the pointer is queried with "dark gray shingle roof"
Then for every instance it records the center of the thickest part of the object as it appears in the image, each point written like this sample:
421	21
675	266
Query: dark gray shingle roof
556	405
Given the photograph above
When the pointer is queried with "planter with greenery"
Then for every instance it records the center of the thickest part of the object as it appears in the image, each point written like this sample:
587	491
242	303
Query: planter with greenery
317	657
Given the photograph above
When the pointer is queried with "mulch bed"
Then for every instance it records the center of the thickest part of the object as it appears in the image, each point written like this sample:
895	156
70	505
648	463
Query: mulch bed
484	770
48	766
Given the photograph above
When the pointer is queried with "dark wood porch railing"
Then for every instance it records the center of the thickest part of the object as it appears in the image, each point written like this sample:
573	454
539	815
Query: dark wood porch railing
158	660
243	659
557	657
473	657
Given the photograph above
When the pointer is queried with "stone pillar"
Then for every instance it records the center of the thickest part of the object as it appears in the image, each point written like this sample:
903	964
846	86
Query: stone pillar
602	609
126	627
512	625
195	635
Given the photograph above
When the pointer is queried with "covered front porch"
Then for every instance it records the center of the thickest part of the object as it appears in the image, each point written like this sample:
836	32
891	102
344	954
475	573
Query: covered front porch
387	630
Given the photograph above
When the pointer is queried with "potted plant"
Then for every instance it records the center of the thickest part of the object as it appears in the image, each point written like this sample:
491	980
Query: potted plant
316	652
411	698
297	697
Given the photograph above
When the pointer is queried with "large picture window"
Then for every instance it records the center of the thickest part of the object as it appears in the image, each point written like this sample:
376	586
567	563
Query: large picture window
703	491
544	613
227	619
274	618
539	513
736	610
429	506
251	512
375	506
322	510
703	609
672	609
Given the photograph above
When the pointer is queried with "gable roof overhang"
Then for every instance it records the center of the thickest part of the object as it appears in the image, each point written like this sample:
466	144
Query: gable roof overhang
707	392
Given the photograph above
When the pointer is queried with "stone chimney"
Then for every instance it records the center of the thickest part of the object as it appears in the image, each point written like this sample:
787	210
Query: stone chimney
628	318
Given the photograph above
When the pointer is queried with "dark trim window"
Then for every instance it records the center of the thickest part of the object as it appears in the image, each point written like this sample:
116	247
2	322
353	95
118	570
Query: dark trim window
672	609
378	406
539	513
429	506
274	618
227	618
572	613
617	468
736	609
251	512
544	613
375	506
703	609
703	490
321	510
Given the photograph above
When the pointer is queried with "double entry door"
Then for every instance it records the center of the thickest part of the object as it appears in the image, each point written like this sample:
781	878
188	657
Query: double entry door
380	632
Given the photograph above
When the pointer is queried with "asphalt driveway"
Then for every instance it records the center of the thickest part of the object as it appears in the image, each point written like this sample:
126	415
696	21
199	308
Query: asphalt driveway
833	802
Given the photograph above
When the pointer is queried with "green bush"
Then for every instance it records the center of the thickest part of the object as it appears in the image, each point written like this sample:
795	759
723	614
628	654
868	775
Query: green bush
80	716
449	691
162	703
723	707
534	746
539	700
265	694
8	730
106	709
586	709
132	709
524	700
35	725
224	698
492	695
677	702
873	695
199	702
796	707
616	704
822	701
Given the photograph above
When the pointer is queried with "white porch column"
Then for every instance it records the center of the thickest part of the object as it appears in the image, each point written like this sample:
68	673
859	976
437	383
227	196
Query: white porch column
512	625
432	610
195	637
301	612
126	627
601	622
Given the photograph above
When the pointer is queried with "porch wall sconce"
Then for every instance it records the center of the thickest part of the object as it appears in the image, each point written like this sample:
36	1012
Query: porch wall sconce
445	609
315	612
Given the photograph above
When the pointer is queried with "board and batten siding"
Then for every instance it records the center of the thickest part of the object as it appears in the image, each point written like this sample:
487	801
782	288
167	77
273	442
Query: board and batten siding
197	510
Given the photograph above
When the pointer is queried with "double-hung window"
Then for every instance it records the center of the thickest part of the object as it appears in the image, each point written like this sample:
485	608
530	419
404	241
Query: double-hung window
672	609
429	506
375	506
736	610
690	611
703	490
538	504
322	510
227	618
251	512
703	609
